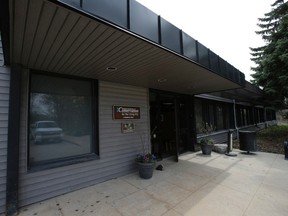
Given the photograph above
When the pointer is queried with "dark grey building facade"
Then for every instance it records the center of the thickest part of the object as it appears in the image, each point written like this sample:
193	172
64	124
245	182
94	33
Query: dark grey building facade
85	85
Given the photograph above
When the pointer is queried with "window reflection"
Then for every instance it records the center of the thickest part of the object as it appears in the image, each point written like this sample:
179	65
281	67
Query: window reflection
60	118
214	113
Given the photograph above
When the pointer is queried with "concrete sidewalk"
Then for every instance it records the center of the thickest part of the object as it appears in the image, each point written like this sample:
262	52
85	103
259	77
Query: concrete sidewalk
216	185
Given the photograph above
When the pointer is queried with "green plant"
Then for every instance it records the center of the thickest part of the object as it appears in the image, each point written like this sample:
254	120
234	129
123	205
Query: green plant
145	158
276	132
206	140
207	129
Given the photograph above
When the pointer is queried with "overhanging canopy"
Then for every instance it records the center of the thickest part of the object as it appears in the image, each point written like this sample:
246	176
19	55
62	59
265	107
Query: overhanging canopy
67	39
249	94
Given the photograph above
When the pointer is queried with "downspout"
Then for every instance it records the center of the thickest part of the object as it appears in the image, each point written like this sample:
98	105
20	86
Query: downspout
235	119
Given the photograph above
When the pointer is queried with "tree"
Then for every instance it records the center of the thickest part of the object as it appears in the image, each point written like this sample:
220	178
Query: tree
271	70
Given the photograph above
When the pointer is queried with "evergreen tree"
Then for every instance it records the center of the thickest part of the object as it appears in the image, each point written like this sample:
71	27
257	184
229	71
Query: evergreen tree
271	70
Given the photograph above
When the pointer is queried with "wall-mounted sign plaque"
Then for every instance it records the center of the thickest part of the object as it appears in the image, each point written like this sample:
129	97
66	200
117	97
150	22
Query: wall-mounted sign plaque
126	112
127	127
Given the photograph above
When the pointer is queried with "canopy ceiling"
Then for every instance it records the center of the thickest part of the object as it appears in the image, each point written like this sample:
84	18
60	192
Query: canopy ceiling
53	37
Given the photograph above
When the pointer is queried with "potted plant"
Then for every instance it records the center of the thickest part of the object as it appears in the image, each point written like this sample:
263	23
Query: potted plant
145	160
206	142
207	145
146	164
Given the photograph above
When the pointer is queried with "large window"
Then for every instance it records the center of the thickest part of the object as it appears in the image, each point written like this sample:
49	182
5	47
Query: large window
60	120
216	114
198	115
220	117
245	116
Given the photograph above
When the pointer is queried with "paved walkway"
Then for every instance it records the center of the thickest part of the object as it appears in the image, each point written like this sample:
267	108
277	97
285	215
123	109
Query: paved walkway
246	185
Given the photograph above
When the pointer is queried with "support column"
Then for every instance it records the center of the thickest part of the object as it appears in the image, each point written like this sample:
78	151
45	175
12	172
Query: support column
192	126
13	143
177	127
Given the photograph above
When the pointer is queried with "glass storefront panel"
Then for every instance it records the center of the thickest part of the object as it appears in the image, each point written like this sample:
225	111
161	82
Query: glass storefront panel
60	118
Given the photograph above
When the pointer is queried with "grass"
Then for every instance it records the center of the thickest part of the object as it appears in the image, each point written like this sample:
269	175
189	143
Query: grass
272	139
274	133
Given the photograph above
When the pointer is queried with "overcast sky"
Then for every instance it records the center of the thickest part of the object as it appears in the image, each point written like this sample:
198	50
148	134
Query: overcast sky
227	27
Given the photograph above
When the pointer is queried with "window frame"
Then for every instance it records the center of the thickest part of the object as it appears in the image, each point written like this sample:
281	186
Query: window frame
59	162
206	105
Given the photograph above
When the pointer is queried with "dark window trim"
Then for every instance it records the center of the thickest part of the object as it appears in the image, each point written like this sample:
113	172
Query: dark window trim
248	116
40	166
203	135
206	115
49	164
191	124
95	117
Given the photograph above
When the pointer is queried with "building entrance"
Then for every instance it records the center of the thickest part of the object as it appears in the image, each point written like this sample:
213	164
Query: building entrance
169	123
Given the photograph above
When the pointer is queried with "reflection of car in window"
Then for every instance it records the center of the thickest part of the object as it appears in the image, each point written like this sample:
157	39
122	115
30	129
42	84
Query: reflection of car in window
46	131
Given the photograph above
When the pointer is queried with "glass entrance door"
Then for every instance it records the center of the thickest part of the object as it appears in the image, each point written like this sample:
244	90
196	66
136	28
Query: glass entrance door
183	116
168	123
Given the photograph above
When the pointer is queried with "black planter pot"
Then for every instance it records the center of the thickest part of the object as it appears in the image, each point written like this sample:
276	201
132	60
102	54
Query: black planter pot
207	148
247	141
146	170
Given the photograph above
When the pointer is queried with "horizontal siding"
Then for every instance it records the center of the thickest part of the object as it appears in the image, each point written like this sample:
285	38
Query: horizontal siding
117	150
4	105
218	137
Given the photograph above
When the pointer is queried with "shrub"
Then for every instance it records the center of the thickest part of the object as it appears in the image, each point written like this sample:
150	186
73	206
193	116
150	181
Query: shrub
274	132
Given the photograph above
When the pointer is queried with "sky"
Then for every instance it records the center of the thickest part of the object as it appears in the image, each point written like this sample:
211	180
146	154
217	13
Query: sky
227	27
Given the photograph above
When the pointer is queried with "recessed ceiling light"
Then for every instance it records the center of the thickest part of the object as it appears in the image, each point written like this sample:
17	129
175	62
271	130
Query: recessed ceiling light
162	80
111	68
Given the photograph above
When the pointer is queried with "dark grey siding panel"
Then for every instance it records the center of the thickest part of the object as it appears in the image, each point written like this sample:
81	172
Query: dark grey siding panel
220	137
117	150
235	75
242	79
189	47
214	62
223	68
230	71
170	36
203	55
143	21
4	105
111	10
